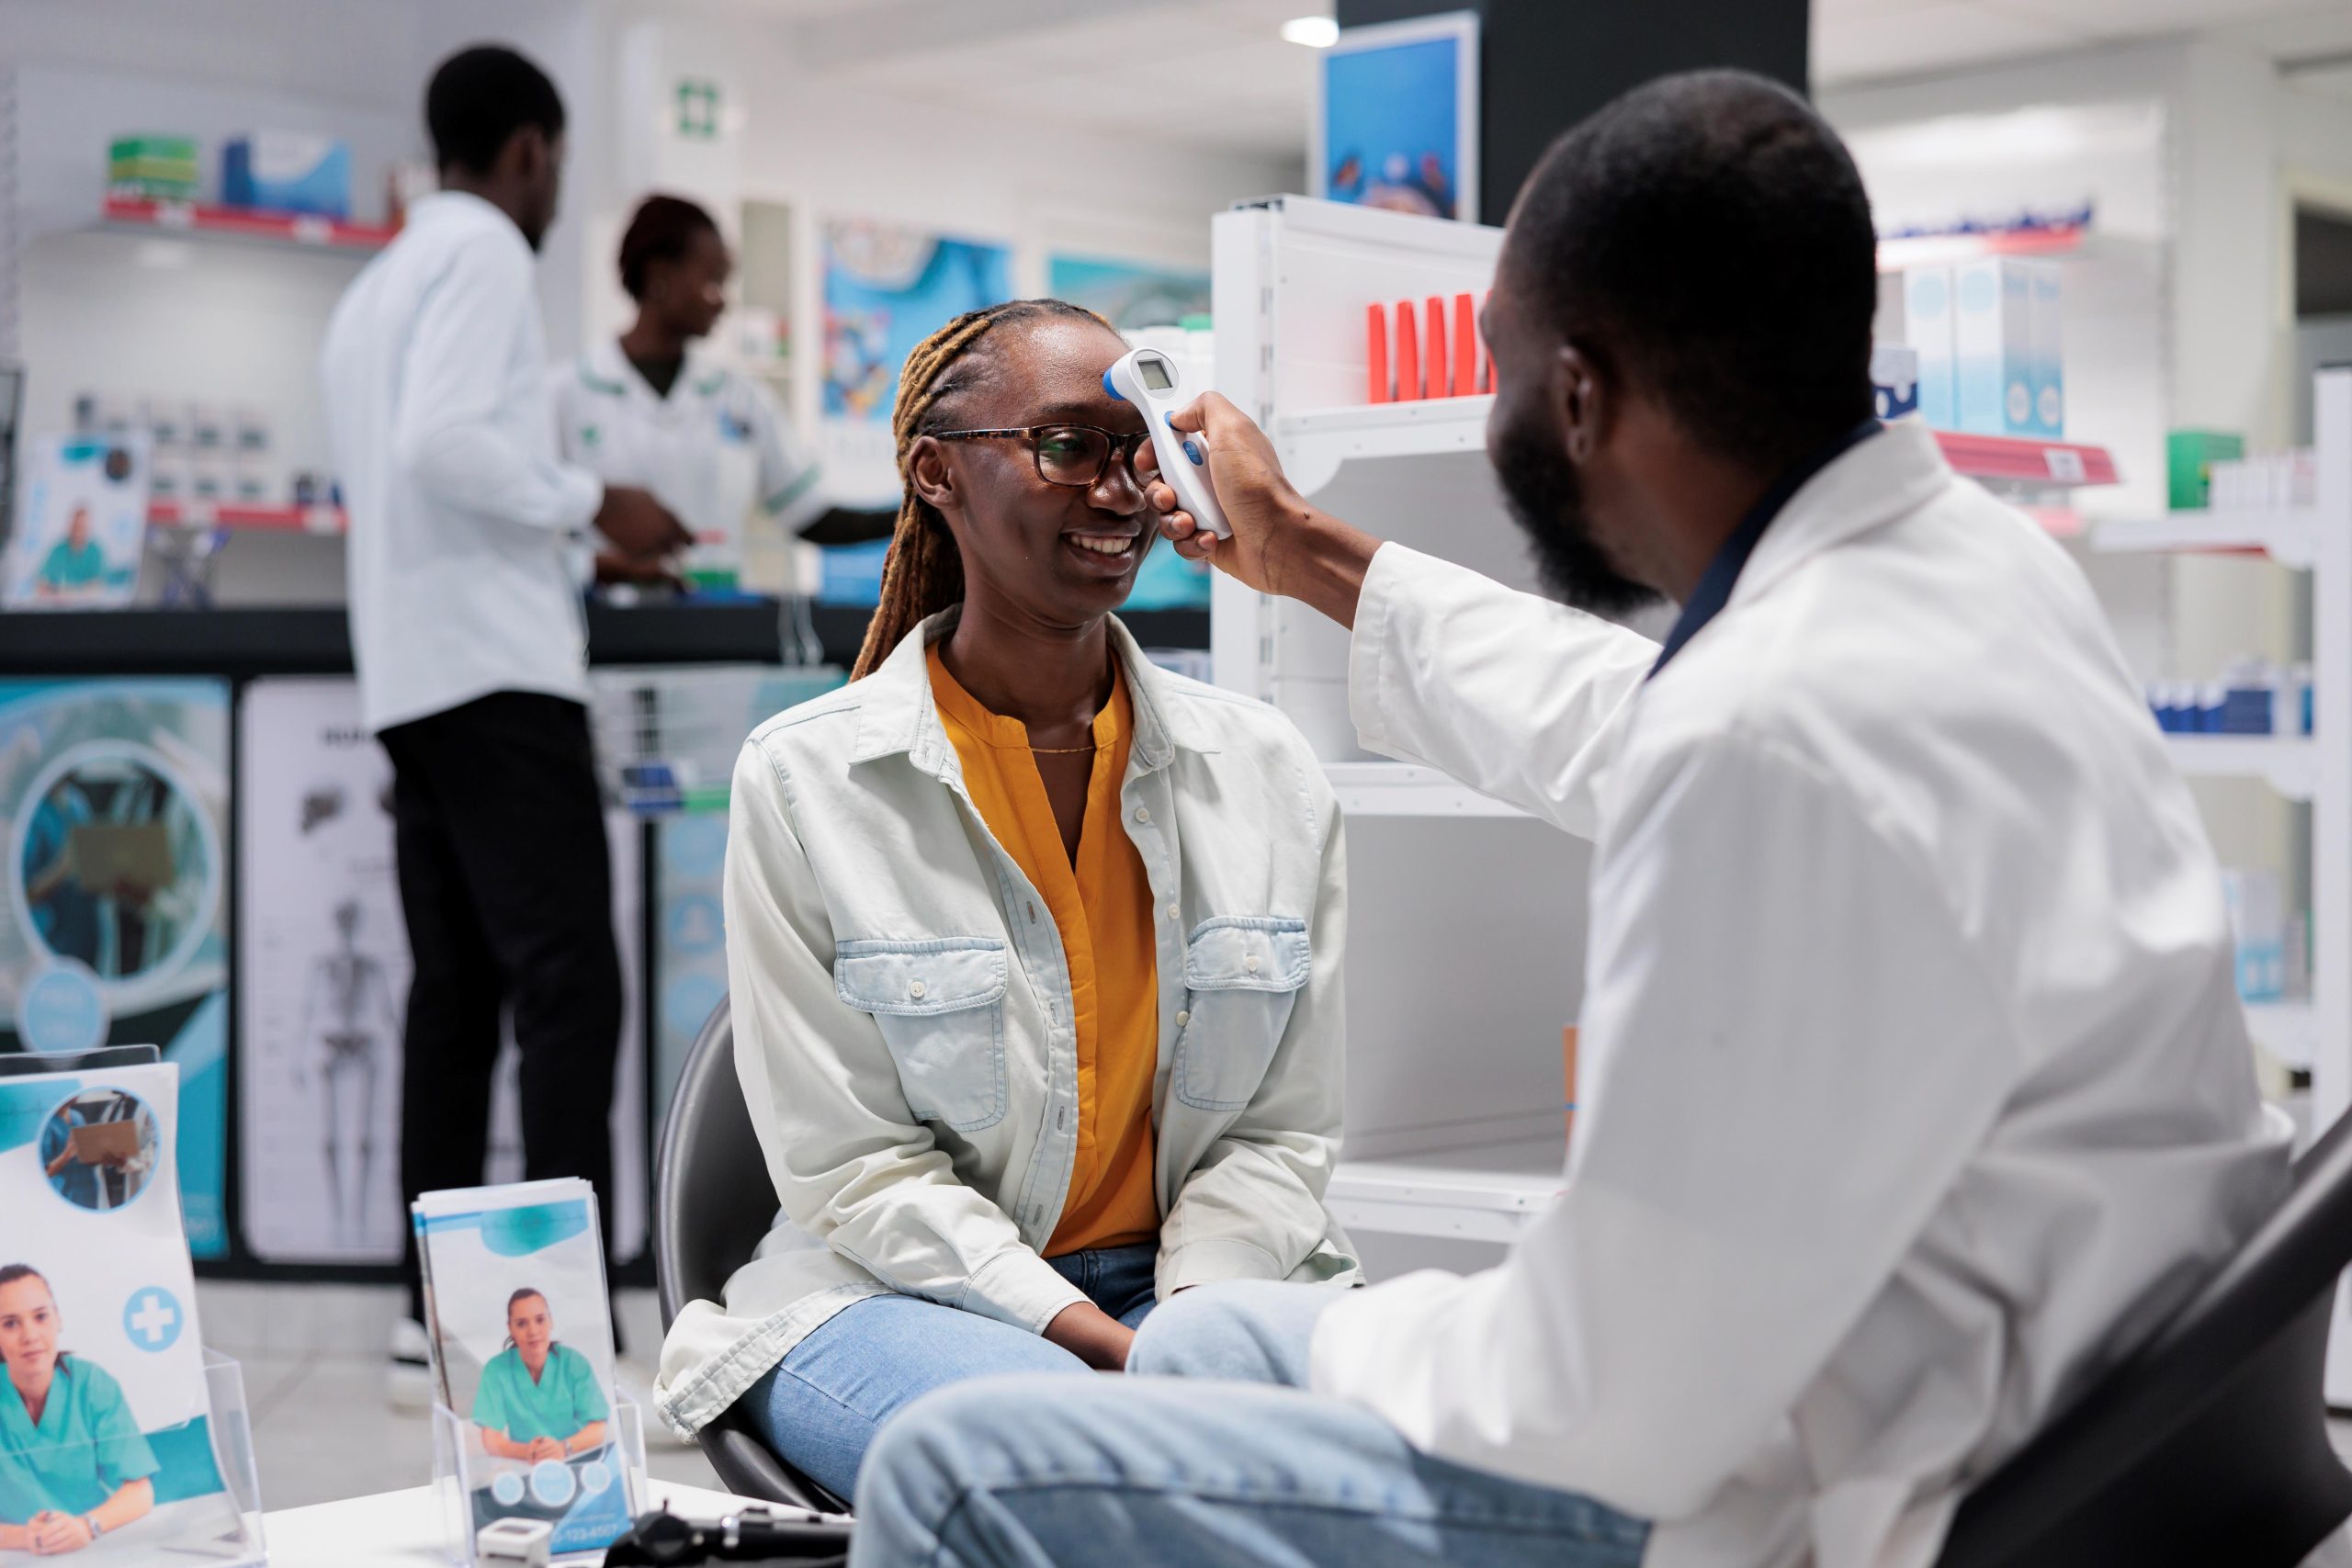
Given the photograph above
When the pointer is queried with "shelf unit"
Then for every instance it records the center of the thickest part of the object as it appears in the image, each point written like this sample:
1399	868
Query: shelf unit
1443	1143
2315	1034
1318	442
192	220
2289	763
270	519
1491	1192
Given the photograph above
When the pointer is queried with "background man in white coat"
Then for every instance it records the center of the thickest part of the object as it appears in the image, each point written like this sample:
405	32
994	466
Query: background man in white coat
1914	1086
467	539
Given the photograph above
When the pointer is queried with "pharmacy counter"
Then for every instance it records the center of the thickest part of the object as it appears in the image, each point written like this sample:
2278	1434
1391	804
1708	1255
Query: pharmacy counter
317	641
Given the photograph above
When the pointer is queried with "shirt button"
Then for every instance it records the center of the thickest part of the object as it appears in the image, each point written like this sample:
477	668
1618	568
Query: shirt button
1142	815
1249	965
1174	913
1183	1017
915	990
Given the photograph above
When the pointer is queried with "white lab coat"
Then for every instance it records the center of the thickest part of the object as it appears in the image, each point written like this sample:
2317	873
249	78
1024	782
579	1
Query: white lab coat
463	521
1914	1084
711	449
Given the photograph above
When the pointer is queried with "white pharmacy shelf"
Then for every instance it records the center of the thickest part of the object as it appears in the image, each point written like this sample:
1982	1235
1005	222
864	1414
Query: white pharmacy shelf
1315	445
1491	1192
2288	1031
1403	789
2289	535
2289	763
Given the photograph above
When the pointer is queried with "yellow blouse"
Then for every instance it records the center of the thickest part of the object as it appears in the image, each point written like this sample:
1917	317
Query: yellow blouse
1102	906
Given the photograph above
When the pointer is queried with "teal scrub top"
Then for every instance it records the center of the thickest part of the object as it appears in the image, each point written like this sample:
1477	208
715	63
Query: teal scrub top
565	1399
66	566
85	1449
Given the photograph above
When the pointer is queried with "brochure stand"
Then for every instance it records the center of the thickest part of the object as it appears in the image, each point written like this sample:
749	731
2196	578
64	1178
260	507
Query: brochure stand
233	1451
470	1489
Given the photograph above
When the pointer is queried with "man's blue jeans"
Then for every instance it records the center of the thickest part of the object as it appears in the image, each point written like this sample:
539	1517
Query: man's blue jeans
821	1404
1147	1472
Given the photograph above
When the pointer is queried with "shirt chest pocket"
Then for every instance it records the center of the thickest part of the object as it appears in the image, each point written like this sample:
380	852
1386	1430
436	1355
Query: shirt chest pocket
1242	975
940	1005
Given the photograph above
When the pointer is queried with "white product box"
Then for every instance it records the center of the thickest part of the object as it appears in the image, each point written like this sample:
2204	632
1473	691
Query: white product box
1927	327
1894	379
1993	346
2049	316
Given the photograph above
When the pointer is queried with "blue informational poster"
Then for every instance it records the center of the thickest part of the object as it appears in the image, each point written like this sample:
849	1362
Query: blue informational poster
114	800
1397	120
1129	294
887	289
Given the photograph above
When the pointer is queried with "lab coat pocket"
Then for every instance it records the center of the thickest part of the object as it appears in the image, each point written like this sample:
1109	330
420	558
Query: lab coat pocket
1242	974
940	1005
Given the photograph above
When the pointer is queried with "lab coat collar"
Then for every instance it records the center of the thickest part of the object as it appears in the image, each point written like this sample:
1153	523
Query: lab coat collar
1874	482
606	369
895	713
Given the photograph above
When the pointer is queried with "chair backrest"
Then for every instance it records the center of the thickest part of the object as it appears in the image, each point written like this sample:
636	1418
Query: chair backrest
2208	1444
711	1195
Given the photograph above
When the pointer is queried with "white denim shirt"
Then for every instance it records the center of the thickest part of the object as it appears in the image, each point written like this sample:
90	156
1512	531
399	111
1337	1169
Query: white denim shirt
1913	1085
903	1023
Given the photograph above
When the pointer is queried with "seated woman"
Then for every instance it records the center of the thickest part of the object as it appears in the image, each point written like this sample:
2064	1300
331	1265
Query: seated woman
538	1399
72	1463
1034	947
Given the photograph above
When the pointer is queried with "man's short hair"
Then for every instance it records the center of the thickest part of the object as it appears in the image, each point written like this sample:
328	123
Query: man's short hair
1707	238
480	98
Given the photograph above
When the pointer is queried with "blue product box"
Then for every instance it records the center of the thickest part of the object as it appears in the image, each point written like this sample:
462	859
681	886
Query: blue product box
2048	318
1927	328
1894	379
1993	359
287	171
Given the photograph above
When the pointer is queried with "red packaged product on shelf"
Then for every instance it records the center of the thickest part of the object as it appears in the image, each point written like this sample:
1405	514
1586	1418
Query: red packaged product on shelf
1408	355
1376	353
1466	346
1438	362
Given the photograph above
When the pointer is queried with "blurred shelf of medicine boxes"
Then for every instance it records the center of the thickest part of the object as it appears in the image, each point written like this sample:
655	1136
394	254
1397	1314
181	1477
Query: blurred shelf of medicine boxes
193	220
2297	509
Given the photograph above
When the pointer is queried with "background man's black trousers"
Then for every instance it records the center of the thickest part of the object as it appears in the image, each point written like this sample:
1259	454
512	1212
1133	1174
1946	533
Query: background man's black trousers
506	885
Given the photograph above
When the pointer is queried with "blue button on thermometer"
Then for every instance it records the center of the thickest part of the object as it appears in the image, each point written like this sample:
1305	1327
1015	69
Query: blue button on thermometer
1146	378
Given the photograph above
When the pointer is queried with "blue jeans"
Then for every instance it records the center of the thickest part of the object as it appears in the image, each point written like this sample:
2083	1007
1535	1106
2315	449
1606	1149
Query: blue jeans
1150	1473
822	1404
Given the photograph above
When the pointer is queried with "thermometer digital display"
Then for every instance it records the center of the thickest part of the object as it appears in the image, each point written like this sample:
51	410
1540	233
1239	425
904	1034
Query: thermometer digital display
1147	378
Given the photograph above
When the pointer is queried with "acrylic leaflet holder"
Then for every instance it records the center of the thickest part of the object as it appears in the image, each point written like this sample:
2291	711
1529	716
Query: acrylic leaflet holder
588	1499
206	1508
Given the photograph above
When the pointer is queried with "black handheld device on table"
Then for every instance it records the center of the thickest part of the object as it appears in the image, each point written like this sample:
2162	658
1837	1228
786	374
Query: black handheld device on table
755	1535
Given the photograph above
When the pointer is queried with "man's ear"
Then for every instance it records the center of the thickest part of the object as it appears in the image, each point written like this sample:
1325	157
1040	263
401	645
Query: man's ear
525	155
1582	402
931	476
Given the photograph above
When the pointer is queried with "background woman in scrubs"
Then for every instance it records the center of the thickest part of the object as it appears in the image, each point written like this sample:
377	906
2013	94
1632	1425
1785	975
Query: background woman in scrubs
73	1464
645	411
538	1399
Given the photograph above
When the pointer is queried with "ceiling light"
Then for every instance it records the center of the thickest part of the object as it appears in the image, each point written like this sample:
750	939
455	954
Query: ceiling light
1315	32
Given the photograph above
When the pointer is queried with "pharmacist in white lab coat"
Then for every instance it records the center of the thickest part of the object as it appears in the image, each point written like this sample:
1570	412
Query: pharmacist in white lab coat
647	410
1914	1089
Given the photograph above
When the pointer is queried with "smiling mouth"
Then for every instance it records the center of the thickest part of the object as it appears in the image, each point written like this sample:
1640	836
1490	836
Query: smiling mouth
1111	546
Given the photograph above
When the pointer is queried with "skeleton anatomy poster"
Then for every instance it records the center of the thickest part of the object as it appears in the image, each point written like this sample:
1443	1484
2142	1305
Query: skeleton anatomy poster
324	966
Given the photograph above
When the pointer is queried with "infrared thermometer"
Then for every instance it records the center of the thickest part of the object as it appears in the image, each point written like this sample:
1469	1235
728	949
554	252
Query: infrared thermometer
1146	378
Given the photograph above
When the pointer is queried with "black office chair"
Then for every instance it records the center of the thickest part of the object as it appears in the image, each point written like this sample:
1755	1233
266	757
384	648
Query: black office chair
711	1205
2209	1445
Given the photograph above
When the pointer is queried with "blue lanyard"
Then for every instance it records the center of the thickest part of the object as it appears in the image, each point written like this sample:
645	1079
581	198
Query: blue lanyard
1721	575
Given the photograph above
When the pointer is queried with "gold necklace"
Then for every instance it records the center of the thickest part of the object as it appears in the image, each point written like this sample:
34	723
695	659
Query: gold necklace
1060	751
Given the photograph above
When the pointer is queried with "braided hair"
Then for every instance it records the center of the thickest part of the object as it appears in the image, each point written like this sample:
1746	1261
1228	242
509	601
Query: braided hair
923	574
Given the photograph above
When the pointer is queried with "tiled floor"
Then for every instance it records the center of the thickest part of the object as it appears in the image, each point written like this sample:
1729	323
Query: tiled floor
313	1360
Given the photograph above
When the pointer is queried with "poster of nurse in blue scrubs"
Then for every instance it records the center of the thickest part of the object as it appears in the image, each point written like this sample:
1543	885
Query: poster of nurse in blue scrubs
107	1452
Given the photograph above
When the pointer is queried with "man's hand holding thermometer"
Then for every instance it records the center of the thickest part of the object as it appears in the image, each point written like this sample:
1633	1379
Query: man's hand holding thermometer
1272	539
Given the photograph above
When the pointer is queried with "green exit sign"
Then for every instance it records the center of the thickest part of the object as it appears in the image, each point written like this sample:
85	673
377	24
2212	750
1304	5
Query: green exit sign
698	110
